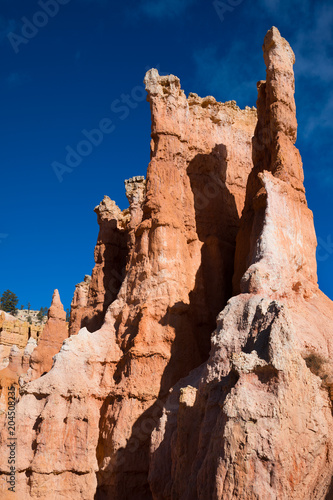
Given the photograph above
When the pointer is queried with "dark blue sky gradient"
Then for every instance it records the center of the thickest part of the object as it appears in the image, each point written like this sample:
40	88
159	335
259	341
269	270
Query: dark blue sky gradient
89	55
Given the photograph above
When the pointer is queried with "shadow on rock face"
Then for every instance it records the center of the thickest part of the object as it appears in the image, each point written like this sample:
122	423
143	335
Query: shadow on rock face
217	222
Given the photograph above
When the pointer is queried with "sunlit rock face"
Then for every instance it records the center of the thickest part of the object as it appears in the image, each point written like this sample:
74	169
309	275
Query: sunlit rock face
50	340
154	399
255	421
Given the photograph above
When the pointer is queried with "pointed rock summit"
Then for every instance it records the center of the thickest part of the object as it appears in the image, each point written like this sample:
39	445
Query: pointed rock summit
56	310
50	341
276	245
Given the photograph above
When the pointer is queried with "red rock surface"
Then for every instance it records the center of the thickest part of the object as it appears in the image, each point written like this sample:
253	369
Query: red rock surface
134	409
50	341
256	421
9	377
17	367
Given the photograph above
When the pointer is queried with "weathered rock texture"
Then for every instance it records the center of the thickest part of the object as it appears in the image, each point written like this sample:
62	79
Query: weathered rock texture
50	341
277	231
10	376
14	332
30	315
255	421
134	410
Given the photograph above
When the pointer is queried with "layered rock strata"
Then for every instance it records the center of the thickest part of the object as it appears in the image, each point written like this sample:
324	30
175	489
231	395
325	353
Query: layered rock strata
134	409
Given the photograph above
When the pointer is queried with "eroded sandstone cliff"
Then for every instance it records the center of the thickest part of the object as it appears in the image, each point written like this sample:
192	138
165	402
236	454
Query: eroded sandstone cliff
15	332
145	402
50	341
255	421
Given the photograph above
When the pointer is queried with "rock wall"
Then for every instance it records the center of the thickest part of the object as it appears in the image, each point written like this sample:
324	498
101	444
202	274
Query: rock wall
255	421
144	402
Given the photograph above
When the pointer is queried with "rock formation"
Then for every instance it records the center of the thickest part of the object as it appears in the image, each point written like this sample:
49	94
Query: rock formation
145	402
14	332
30	347
93	296
255	421
9	376
30	315
51	339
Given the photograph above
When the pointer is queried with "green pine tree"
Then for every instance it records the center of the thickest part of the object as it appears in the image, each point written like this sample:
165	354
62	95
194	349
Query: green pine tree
8	302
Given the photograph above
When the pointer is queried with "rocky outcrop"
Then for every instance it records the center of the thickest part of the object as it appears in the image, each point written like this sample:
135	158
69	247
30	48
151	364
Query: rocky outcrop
51	339
144	402
276	246
255	421
14	332
30	316
30	347
93	296
99	402
79	305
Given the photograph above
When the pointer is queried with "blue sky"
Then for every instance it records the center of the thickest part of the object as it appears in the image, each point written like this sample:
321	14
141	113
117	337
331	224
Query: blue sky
82	67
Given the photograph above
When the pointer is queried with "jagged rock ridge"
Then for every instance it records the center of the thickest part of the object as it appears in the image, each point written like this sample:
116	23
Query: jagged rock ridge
137	405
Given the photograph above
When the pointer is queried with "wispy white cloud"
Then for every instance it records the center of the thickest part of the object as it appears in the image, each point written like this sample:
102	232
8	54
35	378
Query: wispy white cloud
320	117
